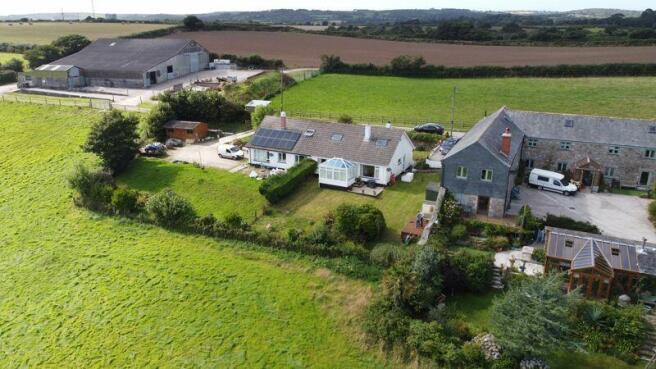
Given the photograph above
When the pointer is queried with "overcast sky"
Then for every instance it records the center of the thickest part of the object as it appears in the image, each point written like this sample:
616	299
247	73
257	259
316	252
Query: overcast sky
206	6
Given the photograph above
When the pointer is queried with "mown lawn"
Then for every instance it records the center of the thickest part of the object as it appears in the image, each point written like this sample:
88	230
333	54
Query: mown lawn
310	204
412	100
79	290
211	191
46	32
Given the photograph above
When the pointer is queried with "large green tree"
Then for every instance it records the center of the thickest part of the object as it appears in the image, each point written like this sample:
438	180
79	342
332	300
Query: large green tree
70	44
114	140
531	319
41	55
152	128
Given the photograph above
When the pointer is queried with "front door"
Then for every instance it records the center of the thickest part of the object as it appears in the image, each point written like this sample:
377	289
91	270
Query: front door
644	179
152	76
483	205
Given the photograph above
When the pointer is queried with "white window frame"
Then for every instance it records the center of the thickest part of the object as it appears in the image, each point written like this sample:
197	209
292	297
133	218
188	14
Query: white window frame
609	172
562	166
530	163
565	145
461	172
487	175
282	157
650	154
613	150
532	142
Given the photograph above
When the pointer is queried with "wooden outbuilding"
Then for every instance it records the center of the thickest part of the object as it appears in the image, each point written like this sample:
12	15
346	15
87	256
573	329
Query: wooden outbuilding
599	266
186	131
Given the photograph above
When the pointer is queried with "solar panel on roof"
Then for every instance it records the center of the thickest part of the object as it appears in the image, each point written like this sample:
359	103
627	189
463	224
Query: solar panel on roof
275	139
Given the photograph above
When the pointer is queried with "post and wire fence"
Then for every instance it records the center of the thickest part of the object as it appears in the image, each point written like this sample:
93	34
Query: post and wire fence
99	104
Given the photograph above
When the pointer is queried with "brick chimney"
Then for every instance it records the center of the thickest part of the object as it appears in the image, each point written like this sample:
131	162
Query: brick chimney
367	133
505	142
283	120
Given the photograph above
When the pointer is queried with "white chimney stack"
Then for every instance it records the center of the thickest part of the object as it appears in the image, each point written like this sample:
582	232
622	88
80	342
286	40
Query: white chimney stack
283	120
367	133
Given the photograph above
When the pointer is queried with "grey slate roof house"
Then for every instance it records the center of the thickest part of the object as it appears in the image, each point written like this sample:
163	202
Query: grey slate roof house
598	265
361	151
480	175
133	63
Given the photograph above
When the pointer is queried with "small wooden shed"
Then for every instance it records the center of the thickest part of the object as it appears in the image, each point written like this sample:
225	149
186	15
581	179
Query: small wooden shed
186	130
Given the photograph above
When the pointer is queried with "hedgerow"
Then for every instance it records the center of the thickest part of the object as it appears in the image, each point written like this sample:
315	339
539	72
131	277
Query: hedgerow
279	186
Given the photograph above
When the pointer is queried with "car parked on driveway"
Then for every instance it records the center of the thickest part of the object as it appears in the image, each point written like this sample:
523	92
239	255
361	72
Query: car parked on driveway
551	181
154	149
174	142
430	128
230	151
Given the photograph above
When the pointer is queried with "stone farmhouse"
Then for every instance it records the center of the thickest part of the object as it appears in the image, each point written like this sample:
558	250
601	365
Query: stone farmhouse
481	168
122	63
346	153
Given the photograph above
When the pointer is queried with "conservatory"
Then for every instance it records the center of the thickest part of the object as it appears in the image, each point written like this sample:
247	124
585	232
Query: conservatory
337	172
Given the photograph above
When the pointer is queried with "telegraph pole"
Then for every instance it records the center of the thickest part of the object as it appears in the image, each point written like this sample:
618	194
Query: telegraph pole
282	89
453	108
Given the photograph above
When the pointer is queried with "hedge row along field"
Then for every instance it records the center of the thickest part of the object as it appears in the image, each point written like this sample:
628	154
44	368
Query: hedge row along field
83	290
409	101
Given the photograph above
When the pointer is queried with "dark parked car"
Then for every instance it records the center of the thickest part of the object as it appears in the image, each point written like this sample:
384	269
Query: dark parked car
430	128
448	144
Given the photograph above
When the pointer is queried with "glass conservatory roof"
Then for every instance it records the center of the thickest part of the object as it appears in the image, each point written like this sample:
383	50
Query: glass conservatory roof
338	163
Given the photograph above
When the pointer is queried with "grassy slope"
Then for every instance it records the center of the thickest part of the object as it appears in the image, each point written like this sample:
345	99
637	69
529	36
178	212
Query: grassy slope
399	203
211	191
46	32
407	100
79	290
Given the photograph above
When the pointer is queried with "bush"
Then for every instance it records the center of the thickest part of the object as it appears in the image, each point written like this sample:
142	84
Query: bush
277	187
8	76
125	201
475	267
385	322
363	223
204	106
539	255
13	64
152	127
345	118
170	210
496	243
94	187
257	116
652	211
387	254
569	223
424	137
617	331
451	212
458	232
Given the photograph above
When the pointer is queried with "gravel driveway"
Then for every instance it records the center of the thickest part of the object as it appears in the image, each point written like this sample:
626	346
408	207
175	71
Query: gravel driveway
206	154
615	215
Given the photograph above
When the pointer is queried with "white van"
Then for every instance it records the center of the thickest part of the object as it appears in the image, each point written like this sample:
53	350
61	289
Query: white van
230	151
552	181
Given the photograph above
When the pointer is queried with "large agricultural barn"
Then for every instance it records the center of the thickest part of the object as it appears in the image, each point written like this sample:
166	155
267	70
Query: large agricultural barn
124	63
481	168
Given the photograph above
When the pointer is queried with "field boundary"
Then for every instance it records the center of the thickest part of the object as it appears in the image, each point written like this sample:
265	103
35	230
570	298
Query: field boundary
75	102
407	121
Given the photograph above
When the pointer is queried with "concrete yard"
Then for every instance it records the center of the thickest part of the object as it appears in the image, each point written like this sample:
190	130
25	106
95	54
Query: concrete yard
206	153
615	215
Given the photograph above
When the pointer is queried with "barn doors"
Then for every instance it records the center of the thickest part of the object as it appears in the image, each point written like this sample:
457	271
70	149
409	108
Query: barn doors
195	63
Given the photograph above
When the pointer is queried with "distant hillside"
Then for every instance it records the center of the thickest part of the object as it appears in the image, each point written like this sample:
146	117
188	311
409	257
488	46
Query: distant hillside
361	16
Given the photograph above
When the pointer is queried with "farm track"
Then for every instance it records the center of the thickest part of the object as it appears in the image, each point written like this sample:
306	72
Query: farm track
305	50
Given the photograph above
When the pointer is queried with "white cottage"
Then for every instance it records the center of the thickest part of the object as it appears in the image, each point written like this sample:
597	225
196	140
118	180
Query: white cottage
345	152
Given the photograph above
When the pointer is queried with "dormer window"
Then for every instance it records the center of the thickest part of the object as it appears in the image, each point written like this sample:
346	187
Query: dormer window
381	142
337	137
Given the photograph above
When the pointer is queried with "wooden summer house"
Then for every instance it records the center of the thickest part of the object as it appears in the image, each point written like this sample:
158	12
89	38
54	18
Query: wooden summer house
599	266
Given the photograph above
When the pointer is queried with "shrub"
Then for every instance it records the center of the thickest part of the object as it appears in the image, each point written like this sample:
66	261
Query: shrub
424	137
277	187
204	106
257	116
458	232
125	201
114	140
13	64
170	210
652	211
387	254
363	223
8	76
451	212
386	322
496	243
539	255
345	118
93	186
527	221
152	127
569	223
235	221
476	268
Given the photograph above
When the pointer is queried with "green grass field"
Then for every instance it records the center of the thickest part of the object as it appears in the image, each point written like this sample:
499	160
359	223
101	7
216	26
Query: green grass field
211	191
5	57
46	32
409	101
310	204
79	290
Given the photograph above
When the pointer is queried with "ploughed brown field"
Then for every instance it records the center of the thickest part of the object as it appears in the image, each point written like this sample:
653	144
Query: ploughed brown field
305	50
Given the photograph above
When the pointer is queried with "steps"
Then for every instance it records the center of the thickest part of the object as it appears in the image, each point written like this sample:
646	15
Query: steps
497	282
648	348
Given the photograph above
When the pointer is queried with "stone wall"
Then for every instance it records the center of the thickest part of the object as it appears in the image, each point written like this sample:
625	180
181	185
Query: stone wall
629	163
